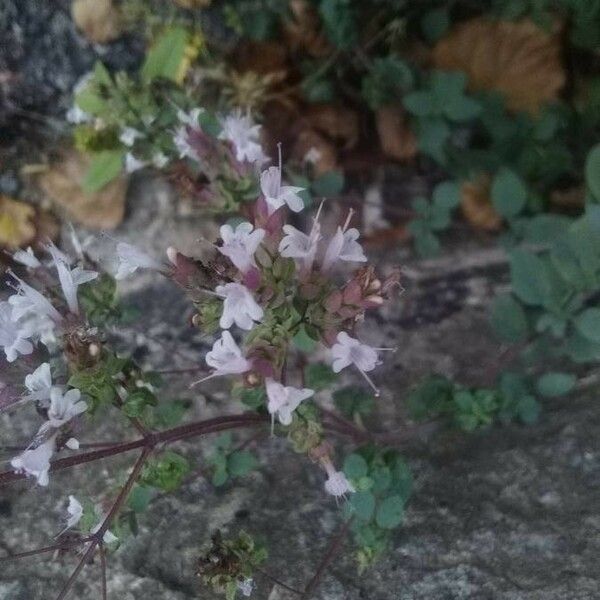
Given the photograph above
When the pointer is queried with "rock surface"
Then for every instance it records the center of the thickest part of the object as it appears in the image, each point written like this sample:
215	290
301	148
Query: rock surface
512	513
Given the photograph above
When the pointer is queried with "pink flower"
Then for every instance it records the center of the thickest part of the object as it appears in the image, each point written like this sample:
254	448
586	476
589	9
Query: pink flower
276	195
239	306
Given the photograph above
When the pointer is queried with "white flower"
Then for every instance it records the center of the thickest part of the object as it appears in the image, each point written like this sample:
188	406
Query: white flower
348	350
72	444
190	118
28	301
77	115
70	280
284	400
75	511
343	246
39	383
276	195
181	141
131	259
337	484
239	306
246	587
226	358
108	537
298	245
245	137
36	461
133	164
27	258
64	407
57	254
13	337
159	160
128	136
239	245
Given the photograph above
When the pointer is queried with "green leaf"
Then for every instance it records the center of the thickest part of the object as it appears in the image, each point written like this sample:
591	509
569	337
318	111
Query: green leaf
241	462
508	319
508	193
339	21
446	195
219	477
319	376
390	512
165	57
528	409
355	466
353	400
435	23
592	171
529	277
170	413
427	244
420	104
546	228
555	384
253	397
362	505
328	184
304	342
104	167
140	497
588	324
432	135
461	108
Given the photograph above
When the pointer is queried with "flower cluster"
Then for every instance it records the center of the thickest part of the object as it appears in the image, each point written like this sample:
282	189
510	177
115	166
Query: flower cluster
271	281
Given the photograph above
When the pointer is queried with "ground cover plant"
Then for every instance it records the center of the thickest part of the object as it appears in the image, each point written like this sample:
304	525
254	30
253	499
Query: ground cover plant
271	118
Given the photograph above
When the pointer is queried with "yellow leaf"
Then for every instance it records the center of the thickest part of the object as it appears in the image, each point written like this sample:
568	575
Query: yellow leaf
516	58
99	20
16	226
476	204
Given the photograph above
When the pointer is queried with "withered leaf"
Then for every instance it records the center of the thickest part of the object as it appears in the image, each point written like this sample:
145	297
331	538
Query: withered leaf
516	58
99	20
16	223
62	184
476	204
395	136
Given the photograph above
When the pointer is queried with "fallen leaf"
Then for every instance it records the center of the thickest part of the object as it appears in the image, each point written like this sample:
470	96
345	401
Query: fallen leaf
260	57
336	122
99	20
516	58
62	184
303	32
16	223
312	147
476	204
395	136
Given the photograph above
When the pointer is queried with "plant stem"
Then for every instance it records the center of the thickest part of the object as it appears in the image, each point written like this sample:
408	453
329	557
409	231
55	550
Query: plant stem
334	546
150	440
99	535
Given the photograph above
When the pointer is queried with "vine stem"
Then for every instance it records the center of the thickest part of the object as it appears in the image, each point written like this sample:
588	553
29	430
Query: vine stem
334	547
150	440
99	535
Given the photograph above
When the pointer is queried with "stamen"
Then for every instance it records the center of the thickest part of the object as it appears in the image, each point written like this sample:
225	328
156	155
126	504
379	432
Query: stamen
370	382
273	425
195	383
350	214
394	349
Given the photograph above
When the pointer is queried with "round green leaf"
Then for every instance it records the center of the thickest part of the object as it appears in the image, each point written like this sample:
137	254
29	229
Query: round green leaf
555	384
509	193
588	324
390	512
355	466
241	462
363	505
508	319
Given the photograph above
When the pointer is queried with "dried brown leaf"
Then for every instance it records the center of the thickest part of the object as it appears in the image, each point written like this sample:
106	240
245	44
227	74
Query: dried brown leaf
476	204
312	147
338	123
303	31
395	136
516	58
62	184
99	20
